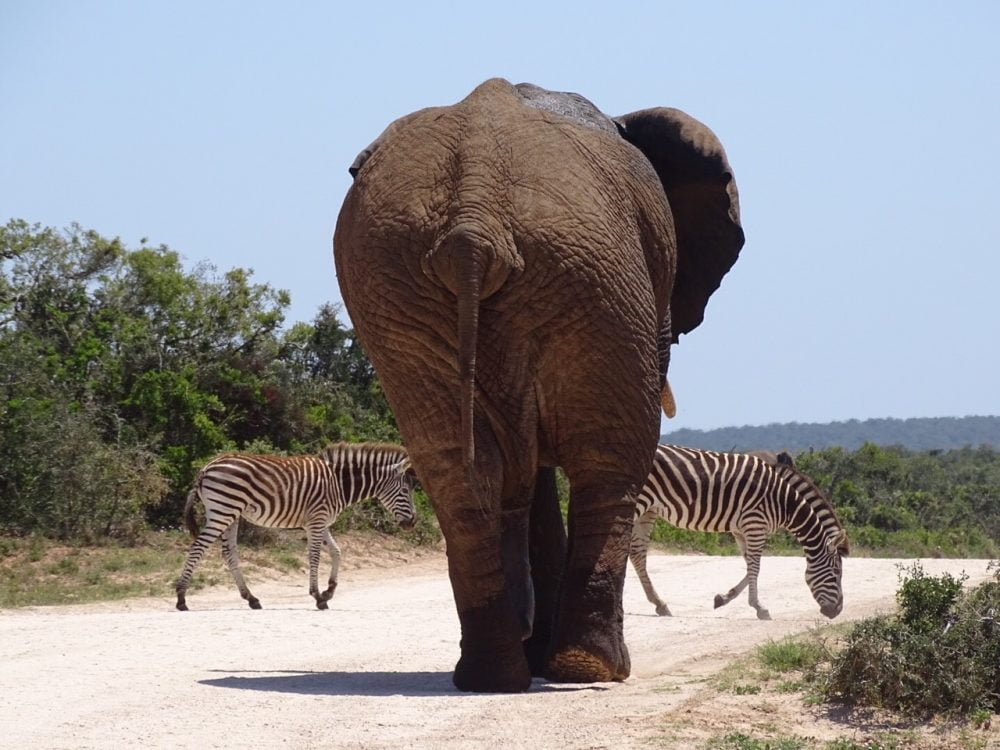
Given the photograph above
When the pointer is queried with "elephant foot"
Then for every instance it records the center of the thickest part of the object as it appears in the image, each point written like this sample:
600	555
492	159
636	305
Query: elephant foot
492	675
577	665
254	602
663	611
536	649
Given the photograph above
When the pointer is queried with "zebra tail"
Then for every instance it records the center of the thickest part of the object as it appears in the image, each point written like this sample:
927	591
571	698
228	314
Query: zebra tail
189	519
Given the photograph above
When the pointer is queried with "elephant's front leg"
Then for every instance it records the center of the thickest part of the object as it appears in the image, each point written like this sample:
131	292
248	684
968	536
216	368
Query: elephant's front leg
516	567
547	551
589	643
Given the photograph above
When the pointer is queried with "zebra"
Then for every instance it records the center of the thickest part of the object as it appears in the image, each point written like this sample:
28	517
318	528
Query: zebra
745	495
773	458
307	492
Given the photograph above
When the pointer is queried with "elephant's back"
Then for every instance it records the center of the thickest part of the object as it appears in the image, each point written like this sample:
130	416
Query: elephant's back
565	203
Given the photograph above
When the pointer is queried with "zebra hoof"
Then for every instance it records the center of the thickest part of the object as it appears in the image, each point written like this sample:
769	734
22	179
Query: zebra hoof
182	606
663	611
321	604
254	603
719	601
763	614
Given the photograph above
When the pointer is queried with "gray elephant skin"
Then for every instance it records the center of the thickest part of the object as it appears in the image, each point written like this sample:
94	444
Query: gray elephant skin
517	266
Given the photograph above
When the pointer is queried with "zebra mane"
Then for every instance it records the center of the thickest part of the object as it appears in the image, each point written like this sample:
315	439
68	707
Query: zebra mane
336	453
816	497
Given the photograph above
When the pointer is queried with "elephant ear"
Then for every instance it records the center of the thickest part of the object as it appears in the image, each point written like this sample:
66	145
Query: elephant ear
698	181
394	127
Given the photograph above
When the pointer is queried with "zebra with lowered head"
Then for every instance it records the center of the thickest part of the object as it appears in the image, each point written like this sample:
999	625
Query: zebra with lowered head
306	492
751	498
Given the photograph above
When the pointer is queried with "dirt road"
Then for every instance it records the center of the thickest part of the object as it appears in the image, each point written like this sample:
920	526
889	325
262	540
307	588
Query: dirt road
375	670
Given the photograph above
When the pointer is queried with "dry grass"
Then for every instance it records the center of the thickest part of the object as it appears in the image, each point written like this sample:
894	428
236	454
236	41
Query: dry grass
36	571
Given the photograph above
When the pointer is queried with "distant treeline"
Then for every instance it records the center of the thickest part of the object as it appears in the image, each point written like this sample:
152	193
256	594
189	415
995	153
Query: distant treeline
917	434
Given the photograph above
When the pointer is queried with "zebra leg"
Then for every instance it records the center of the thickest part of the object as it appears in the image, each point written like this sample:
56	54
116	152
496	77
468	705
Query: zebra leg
233	561
755	548
331	546
723	599
638	549
214	526
315	533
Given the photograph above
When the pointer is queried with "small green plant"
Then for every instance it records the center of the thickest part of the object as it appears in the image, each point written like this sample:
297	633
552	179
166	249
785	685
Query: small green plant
790	686
36	548
114	564
746	689
740	741
288	561
981	718
792	654
93	577
842	743
63	566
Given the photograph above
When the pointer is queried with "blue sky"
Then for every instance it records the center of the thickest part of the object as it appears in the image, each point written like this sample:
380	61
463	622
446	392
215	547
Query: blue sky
864	137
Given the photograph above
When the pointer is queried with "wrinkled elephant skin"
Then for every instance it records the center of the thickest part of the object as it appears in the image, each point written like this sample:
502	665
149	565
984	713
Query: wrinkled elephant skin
517	266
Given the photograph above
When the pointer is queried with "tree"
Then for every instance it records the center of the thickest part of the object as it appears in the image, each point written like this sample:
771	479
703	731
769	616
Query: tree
152	369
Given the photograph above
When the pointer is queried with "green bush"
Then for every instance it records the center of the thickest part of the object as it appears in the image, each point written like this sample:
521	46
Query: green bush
122	371
895	501
940	655
925	601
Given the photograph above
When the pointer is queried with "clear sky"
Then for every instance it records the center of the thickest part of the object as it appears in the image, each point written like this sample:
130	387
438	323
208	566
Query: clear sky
864	136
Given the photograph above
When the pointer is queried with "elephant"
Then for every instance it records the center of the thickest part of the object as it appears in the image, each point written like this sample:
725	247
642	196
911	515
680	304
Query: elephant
517	266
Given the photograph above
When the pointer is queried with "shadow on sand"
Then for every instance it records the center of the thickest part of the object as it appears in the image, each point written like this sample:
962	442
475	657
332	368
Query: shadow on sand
413	684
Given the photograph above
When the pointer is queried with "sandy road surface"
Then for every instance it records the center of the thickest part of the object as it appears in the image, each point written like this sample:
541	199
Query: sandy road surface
375	670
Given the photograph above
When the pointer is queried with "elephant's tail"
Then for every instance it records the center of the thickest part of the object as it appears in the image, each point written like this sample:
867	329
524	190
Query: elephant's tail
469	292
189	519
473	262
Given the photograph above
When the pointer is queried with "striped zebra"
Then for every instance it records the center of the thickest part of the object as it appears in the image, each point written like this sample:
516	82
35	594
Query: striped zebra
751	498
307	492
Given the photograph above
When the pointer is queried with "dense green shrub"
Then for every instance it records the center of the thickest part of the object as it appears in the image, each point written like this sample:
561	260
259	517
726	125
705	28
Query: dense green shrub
938	503
122	372
939	655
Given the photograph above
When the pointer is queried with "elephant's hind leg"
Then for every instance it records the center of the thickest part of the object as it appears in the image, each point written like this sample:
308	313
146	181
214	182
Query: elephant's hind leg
481	570
589	642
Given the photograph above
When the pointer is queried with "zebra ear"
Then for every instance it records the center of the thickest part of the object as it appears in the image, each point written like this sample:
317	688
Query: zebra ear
406	467
839	544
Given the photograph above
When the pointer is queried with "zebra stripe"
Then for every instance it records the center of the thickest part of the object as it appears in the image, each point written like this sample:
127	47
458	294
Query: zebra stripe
751	498
306	492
